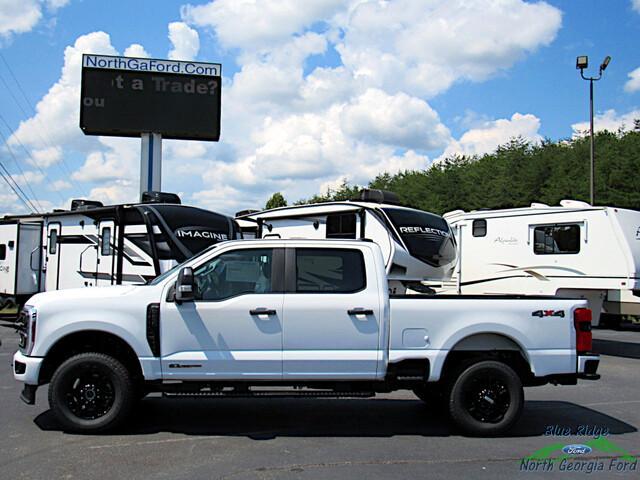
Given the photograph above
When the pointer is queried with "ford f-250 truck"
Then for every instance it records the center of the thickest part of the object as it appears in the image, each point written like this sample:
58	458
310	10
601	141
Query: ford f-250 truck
248	318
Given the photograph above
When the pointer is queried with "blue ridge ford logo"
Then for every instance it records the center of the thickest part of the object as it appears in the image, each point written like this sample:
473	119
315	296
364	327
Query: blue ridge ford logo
577	449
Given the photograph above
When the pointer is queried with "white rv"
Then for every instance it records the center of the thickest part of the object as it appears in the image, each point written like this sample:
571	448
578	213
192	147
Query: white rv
416	245
572	250
95	245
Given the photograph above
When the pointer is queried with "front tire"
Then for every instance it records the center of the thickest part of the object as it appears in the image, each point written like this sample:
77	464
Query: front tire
91	392
486	399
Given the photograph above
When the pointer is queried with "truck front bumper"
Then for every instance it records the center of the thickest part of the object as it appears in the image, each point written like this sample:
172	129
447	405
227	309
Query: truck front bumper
588	366
27	369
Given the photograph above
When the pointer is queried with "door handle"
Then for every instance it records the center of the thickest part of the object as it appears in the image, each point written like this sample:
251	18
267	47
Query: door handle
360	311
262	311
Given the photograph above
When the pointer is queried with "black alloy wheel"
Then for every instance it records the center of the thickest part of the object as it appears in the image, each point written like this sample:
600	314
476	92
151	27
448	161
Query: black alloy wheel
91	392
486	398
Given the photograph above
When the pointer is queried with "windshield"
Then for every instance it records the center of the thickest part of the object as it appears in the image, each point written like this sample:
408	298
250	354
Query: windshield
427	236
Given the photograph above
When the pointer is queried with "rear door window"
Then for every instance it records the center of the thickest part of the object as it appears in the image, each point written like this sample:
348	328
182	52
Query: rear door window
329	270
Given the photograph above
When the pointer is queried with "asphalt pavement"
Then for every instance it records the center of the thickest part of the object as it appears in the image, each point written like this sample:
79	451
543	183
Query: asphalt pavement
389	436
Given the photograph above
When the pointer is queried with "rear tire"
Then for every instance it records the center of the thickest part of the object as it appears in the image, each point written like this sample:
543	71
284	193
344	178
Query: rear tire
486	399
91	392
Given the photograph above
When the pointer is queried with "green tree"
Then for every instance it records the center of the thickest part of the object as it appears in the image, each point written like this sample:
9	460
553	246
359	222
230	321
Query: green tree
276	200
517	174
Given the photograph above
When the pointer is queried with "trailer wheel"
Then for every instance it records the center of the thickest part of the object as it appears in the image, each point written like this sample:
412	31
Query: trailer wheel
91	392
486	399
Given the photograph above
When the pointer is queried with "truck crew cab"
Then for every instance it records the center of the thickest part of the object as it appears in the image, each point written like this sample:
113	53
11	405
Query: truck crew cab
246	316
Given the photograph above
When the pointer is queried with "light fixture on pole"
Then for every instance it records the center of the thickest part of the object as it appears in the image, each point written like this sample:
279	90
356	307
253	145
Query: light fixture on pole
582	62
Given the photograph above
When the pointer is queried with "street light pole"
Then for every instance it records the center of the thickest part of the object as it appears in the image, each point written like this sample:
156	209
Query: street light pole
592	152
582	62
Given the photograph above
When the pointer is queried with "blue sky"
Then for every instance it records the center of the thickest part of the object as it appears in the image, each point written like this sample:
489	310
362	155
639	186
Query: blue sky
339	90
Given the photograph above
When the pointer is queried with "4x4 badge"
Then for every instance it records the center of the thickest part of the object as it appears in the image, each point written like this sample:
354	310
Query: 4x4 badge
548	313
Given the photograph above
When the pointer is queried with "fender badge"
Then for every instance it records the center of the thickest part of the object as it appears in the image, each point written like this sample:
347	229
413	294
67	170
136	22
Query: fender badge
548	313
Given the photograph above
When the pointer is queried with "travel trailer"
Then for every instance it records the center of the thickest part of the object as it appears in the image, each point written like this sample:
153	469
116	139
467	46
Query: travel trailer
572	250
95	245
416	245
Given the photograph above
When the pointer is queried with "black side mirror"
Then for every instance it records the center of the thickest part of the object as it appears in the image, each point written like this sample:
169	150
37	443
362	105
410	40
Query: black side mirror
185	286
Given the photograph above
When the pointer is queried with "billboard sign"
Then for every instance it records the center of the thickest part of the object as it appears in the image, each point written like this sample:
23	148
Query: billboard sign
125	96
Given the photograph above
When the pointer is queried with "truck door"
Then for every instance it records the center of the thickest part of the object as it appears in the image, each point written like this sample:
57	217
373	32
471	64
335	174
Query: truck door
52	256
332	314
233	328
105	262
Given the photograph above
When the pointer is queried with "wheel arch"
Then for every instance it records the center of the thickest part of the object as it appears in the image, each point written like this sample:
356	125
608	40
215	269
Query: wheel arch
487	346
98	341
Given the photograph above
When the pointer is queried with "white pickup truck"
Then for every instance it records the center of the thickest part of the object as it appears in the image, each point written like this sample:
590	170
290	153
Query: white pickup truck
248	318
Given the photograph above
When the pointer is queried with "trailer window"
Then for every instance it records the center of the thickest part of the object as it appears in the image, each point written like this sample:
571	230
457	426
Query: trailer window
479	228
341	225
556	239
329	270
53	242
105	241
3	251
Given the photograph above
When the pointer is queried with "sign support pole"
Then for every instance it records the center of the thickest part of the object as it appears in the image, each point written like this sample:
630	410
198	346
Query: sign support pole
151	163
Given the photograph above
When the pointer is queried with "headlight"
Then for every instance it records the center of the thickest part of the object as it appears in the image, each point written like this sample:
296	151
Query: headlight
27	329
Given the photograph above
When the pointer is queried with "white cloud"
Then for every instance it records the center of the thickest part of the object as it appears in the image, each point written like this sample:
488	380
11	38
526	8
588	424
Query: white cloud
609	120
424	47
294	130
29	178
250	24
45	157
291	126
57	114
59	185
21	16
18	16
633	84
399	120
55	4
136	50
119	191
636	5
118	159
487	137
184	40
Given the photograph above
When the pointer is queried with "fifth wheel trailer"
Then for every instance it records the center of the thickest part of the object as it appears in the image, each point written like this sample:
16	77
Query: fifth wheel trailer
95	245
416	245
572	250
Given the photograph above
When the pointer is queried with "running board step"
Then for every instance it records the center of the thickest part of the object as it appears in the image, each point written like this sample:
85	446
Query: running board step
270	394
